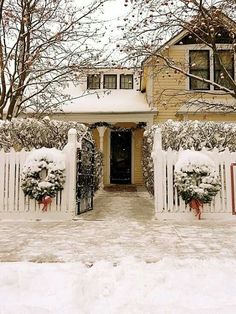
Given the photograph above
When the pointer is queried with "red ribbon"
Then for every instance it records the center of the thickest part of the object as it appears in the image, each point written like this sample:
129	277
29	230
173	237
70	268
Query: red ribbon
46	200
197	206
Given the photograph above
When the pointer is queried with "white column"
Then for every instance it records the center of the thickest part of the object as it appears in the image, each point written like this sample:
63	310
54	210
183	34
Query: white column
157	155
101	131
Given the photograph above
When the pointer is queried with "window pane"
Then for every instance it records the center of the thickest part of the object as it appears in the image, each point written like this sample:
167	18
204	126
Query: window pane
126	81
93	81
109	81
227	58
199	66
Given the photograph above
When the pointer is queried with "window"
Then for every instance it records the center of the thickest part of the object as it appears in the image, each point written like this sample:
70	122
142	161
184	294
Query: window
126	81
227	59
93	81
199	62
109	81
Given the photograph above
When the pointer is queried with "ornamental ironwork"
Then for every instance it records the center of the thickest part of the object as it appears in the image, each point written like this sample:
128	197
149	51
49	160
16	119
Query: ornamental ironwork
85	176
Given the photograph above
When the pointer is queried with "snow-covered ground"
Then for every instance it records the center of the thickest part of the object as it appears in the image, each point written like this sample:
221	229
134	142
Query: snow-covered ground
118	259
129	287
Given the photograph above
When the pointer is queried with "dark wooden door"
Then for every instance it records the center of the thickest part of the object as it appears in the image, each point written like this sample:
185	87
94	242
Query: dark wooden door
120	167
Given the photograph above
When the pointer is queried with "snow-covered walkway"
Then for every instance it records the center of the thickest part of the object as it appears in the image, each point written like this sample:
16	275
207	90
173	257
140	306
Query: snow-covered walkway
121	225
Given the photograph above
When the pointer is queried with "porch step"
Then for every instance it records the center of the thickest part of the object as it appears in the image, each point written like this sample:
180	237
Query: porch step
120	188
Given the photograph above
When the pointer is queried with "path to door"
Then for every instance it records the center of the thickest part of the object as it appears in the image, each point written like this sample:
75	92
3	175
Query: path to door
124	206
121	225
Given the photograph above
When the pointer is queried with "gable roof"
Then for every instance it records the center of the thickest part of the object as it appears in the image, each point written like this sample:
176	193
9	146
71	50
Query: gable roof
181	34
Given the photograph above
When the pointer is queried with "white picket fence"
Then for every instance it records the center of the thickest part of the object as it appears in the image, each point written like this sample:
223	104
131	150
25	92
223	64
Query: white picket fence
168	204
15	205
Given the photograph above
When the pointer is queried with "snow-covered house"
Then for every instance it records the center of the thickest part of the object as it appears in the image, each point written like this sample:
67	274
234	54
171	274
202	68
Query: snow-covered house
110	100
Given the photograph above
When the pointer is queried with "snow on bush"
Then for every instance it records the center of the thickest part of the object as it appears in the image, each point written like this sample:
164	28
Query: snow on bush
196	177
32	133
187	134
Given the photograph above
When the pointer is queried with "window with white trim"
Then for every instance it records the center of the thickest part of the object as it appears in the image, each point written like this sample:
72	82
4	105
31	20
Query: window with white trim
126	81
110	81
199	65
203	64
93	81
227	59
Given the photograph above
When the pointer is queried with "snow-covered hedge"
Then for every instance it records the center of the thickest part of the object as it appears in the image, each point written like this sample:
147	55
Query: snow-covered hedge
187	134
32	133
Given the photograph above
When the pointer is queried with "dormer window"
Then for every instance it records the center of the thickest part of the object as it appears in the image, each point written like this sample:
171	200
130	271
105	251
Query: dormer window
110	81
93	81
126	81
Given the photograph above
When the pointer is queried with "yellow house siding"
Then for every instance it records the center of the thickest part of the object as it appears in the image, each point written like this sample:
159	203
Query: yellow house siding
137	146
212	117
170	90
96	138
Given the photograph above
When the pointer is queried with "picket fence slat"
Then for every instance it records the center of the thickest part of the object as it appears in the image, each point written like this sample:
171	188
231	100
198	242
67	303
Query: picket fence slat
2	178
11	188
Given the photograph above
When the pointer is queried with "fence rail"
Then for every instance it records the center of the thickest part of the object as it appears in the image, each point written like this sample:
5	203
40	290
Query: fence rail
167	199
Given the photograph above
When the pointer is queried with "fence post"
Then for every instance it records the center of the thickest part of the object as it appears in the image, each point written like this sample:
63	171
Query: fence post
71	149
157	155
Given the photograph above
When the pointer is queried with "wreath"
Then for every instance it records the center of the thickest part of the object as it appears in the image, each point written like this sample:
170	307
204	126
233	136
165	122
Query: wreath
196	180
43	175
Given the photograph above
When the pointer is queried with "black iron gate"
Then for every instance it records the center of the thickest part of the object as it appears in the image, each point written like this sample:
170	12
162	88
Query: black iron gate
85	176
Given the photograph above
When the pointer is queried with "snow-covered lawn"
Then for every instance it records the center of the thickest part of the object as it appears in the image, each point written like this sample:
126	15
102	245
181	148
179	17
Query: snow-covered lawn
131	286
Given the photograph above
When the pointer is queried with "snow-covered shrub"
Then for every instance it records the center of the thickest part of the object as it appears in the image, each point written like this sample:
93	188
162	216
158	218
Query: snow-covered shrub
196	177
187	134
32	133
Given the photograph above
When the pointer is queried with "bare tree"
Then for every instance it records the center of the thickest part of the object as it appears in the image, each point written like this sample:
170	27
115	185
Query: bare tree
151	23
43	43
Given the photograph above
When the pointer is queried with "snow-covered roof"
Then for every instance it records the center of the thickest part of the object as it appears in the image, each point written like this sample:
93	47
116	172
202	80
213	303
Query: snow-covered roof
104	101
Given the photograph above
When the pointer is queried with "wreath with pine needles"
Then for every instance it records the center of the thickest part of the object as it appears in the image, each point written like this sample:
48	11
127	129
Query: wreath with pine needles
197	182
43	174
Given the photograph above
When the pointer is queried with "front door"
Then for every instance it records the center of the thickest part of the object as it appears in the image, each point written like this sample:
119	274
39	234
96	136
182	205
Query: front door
120	167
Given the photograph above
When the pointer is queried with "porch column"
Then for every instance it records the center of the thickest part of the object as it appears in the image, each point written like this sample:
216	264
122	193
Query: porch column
101	131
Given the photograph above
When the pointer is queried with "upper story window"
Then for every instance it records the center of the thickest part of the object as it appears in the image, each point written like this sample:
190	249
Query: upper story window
110	81
200	66
93	81
227	59
203	64
126	81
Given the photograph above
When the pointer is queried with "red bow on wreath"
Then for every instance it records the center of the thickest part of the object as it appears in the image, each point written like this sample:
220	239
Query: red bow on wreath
197	206
46	200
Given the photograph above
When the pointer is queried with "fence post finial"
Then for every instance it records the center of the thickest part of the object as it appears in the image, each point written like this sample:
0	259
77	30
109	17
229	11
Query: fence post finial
157	140
72	136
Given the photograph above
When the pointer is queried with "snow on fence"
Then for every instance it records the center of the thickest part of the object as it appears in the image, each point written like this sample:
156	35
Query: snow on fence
167	200
15	205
